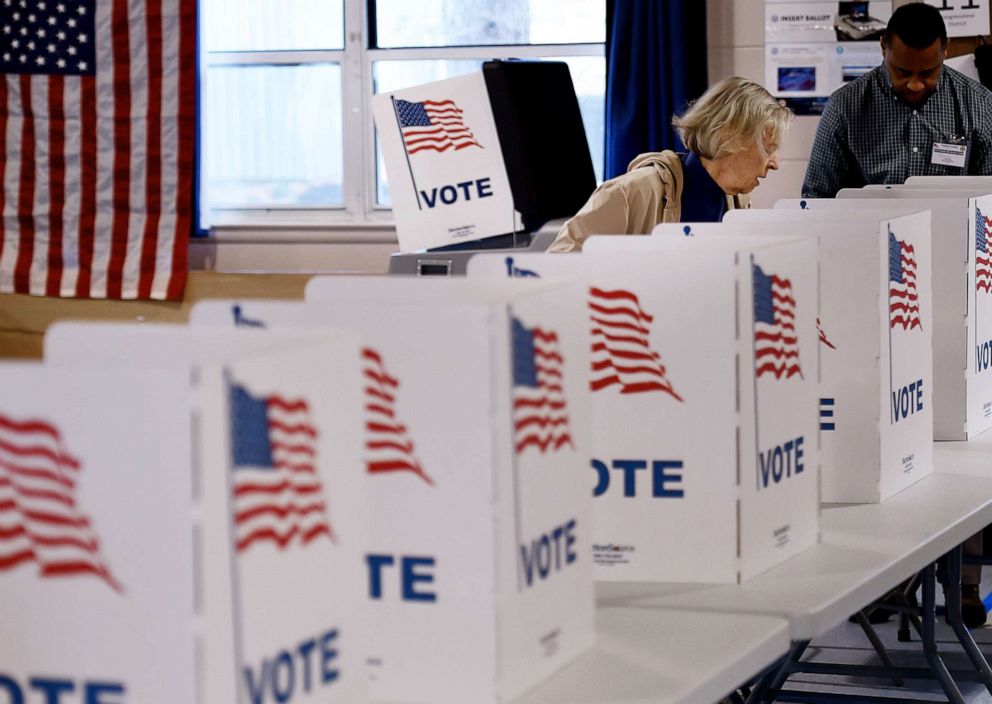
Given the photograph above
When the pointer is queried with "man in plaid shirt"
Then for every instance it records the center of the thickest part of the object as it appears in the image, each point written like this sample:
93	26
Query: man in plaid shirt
911	116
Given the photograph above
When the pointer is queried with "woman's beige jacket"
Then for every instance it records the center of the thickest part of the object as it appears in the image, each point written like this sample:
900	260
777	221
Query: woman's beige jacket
633	203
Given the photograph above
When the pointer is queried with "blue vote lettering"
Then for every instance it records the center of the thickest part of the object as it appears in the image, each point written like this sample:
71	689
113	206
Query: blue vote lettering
549	553
309	664
416	576
983	356
907	400
464	190
52	690
666	477
781	462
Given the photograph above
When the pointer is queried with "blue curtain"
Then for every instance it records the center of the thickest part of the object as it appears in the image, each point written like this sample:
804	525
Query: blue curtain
655	65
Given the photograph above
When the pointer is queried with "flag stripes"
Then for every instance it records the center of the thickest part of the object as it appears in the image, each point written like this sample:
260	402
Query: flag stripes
621	352
904	304
983	257
97	161
278	495
540	413
435	125
776	343
388	445
40	521
823	336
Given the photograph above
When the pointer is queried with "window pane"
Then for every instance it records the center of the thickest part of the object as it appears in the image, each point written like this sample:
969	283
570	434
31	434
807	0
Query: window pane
588	76
272	136
401	23
272	25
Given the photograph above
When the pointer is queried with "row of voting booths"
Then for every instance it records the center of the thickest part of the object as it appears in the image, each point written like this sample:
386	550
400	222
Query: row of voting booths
403	489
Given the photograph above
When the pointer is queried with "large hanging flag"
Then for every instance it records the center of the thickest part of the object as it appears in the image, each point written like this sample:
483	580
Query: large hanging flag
97	129
41	522
278	494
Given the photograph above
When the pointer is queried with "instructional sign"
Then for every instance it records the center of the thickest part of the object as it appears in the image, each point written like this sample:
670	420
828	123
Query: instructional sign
814	48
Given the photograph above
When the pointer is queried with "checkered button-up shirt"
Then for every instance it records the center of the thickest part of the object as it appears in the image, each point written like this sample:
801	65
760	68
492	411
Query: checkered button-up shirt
869	135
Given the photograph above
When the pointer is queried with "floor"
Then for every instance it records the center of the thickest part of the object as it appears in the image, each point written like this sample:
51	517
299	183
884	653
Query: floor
847	644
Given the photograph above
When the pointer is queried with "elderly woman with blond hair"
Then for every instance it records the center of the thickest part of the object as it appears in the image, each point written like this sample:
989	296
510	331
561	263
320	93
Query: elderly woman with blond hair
732	133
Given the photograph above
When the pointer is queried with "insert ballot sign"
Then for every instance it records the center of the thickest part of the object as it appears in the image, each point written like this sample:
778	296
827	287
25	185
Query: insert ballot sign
447	178
480	515
96	563
273	507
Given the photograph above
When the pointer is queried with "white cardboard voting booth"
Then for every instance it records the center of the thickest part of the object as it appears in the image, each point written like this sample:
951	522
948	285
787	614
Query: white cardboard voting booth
876	369
662	390
957	392
773	346
96	559
481	516
447	178
273	504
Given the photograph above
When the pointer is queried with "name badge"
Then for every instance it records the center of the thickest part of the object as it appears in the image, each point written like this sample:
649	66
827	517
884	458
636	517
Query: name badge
949	154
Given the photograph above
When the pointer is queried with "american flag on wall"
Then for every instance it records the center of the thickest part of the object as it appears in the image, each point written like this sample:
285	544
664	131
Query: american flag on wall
621	352
904	304
40	519
540	414
983	257
776	344
97	128
278	495
434	125
388	445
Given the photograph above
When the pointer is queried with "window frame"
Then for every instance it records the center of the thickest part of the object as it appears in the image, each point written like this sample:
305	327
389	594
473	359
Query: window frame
359	210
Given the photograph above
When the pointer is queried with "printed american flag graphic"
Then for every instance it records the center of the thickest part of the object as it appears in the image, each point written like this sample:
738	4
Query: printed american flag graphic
621	352
435	125
41	522
983	257
540	414
97	139
388	445
776	344
278	495
823	336
904	303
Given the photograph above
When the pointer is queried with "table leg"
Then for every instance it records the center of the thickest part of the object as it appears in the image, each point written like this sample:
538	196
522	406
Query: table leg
930	638
954	618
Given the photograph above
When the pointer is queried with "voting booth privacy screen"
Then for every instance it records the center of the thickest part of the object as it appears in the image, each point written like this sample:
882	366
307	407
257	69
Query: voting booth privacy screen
661	389
957	392
269	504
875	329
484	154
96	573
665	394
480	512
778	359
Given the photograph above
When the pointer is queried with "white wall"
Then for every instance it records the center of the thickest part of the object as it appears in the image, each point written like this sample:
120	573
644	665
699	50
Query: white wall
736	35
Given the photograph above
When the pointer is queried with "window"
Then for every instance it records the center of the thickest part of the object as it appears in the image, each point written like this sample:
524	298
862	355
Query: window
285	85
